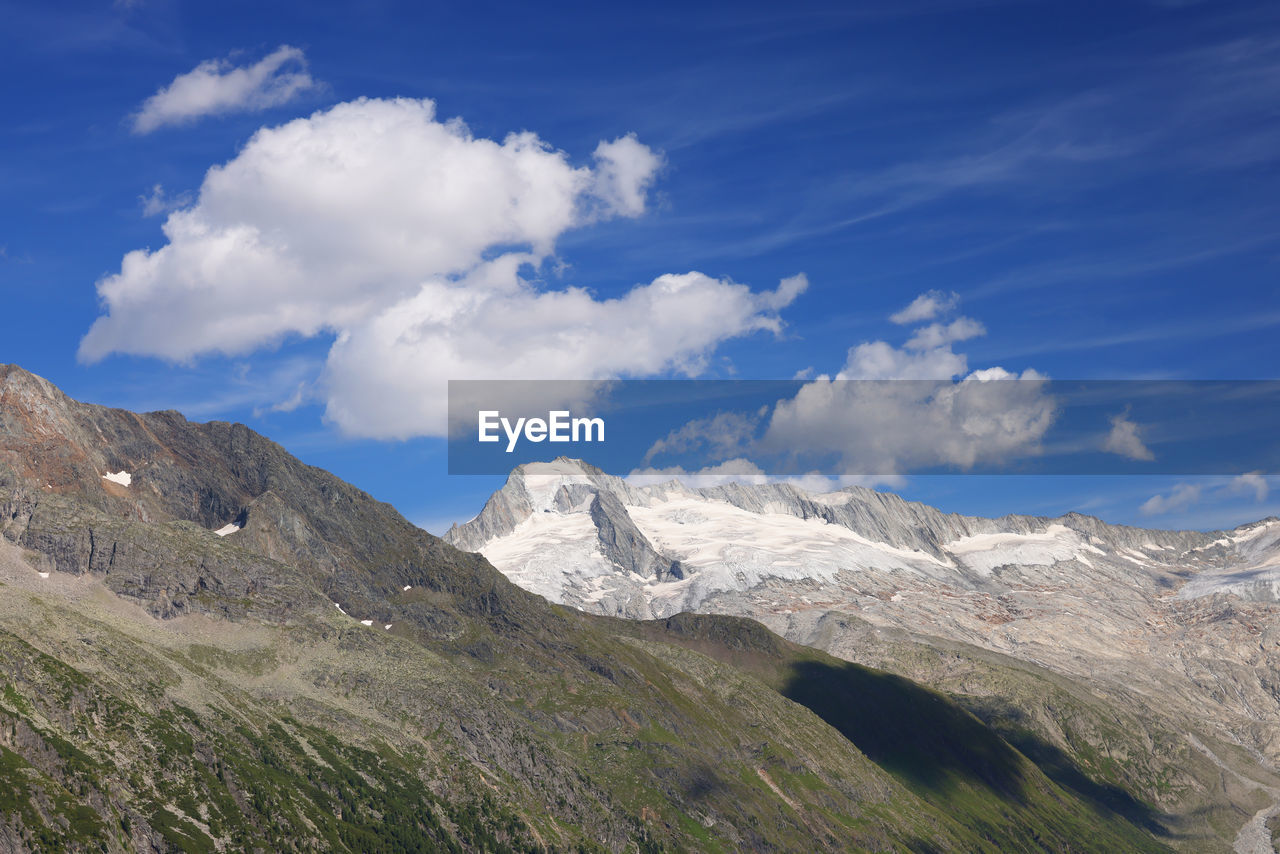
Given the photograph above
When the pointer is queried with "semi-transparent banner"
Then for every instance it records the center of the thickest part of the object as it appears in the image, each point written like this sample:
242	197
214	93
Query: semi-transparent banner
996	425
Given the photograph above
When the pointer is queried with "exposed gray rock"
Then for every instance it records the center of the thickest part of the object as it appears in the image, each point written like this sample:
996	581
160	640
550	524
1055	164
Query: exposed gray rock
622	542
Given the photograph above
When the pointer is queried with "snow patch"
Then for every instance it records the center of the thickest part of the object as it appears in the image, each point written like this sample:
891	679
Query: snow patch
366	622
543	480
121	477
227	529
43	574
1253	532
722	547
548	552
985	552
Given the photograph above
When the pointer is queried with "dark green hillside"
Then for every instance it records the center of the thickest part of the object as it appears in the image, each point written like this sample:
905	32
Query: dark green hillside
925	740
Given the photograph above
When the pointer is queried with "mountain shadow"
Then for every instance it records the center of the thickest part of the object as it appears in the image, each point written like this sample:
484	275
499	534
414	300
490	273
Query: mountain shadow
932	745
916	734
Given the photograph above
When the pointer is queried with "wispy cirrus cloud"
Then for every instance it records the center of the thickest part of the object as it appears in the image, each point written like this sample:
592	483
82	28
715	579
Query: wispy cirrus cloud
156	201
927	306
1174	114
940	334
216	86
1177	499
1214	491
1252	482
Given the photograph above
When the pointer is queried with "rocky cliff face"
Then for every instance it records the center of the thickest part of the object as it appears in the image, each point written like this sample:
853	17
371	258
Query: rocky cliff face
91	489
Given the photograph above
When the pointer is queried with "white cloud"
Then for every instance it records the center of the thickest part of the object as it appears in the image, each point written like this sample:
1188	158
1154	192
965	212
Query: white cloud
914	415
1217	492
1180	498
302	393
157	201
939	334
720	435
879	360
625	168
154	202
405	236
889	410
330	219
1251	482
1125	439
386	377
927	306
216	86
887	428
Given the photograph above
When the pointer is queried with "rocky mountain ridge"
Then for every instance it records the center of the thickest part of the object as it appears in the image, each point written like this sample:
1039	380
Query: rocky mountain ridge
956	549
211	646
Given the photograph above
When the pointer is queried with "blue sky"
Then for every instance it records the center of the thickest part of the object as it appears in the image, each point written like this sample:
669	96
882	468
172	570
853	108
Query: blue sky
1096	182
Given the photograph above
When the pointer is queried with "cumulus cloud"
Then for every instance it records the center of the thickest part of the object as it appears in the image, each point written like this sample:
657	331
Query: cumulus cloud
407	238
989	416
887	411
880	360
1179	498
625	168
216	86
386	377
914	414
1125	440
927	306
328	220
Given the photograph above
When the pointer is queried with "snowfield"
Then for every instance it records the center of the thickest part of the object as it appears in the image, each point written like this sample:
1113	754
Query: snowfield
726	542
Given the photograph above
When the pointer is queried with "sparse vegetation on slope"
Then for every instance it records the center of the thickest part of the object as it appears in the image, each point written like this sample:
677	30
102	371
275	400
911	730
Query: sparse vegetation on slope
168	689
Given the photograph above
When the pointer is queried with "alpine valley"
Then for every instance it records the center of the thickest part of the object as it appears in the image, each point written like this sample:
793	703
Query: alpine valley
207	645
1135	667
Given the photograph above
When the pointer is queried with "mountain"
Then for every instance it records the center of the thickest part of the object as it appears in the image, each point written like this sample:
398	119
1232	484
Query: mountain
210	646
1146	658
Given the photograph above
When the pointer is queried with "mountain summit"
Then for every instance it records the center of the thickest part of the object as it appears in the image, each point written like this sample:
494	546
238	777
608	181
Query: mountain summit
554	528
